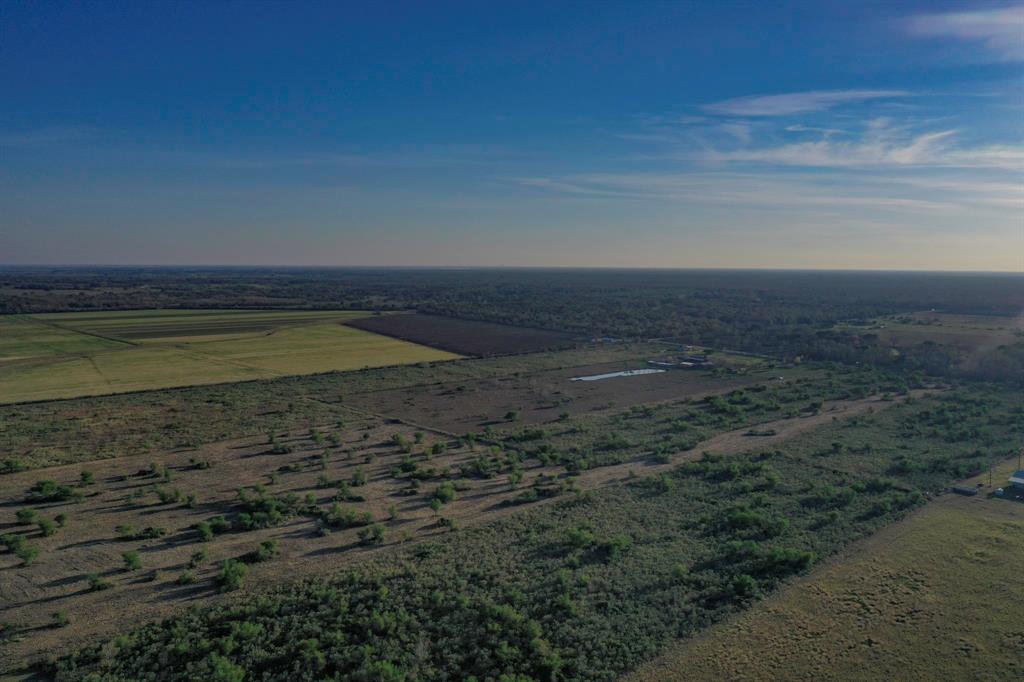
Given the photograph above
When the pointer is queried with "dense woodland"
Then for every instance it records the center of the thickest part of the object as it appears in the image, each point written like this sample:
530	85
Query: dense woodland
789	314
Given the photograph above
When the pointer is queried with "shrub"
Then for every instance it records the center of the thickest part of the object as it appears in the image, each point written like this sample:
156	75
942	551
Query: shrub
26	516
26	553
266	551
96	583
445	492
230	576
359	478
198	557
132	562
186	578
219	525
87	478
47	527
61	519
51	491
373	535
204	530
60	619
168	496
125	531
12	541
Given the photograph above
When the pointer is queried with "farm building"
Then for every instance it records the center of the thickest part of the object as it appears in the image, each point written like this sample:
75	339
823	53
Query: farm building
681	362
1017	480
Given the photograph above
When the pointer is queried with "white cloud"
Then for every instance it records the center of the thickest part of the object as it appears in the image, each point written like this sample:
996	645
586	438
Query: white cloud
999	29
796	102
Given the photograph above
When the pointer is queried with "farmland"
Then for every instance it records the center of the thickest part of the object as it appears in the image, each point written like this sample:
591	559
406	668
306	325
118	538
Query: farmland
70	355
466	337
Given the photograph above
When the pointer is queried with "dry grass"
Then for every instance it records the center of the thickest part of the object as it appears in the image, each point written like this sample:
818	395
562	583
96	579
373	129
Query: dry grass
936	596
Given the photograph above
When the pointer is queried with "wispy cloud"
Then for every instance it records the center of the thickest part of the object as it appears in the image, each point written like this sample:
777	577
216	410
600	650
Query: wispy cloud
45	136
796	102
999	29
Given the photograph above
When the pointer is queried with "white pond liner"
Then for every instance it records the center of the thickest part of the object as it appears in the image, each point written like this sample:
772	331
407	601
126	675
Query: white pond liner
612	375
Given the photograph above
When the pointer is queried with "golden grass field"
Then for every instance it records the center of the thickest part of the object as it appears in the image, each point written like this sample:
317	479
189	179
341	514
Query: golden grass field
77	354
936	596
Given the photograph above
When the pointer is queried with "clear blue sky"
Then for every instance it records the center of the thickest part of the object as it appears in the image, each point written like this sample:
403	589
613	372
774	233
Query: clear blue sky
830	134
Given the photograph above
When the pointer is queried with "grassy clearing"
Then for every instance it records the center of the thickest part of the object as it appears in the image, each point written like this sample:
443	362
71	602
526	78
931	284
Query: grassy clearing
83	364
928	598
24	338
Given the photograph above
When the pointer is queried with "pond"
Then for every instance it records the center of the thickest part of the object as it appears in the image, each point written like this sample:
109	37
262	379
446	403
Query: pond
624	373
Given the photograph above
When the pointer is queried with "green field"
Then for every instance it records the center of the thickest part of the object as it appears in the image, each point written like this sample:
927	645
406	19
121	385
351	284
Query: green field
65	355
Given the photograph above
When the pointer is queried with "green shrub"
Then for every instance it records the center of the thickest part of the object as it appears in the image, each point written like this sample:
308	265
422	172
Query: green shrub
26	516
231	575
445	492
373	535
26	553
51	491
266	551
97	584
132	562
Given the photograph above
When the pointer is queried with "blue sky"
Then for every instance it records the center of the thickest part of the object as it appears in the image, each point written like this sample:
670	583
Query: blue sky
703	134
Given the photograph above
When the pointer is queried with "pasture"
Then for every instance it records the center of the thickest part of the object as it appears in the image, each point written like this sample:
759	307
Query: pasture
930	597
80	354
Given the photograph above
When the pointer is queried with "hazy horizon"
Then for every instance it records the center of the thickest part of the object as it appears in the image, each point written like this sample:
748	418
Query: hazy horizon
796	136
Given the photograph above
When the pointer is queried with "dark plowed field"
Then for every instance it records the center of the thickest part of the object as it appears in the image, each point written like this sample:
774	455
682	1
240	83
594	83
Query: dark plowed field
465	337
